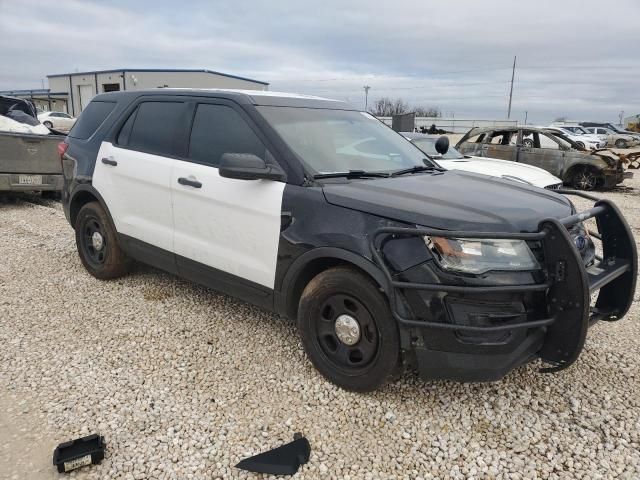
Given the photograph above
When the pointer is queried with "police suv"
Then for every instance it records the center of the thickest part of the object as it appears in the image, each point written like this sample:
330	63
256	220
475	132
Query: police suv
317	211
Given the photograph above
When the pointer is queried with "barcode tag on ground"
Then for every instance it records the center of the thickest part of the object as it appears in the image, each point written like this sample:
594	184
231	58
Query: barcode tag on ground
77	463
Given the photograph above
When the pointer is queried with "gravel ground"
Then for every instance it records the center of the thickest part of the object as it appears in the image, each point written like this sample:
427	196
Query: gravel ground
184	382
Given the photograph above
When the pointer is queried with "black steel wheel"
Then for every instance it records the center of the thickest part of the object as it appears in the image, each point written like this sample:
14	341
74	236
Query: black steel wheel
585	179
346	333
347	329
97	243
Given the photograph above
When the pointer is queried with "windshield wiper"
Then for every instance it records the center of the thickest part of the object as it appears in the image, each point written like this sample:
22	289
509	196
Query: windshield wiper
351	174
417	169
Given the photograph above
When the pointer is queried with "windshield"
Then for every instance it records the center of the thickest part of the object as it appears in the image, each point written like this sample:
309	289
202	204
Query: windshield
328	141
428	146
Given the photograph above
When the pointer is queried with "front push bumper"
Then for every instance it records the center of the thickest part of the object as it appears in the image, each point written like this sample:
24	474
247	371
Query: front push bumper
558	335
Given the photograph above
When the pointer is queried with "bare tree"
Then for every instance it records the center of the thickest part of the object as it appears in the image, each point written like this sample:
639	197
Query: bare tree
427	111
387	107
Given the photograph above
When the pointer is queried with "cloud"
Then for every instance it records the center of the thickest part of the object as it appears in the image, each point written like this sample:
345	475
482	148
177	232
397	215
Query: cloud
575	58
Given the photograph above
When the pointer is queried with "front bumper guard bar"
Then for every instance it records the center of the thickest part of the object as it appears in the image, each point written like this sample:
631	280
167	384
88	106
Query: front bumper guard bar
568	284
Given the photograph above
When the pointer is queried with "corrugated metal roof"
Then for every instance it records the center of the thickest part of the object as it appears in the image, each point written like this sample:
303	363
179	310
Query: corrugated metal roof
161	70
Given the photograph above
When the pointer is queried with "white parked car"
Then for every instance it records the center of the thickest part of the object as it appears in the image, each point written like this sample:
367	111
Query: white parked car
454	160
57	120
584	140
614	139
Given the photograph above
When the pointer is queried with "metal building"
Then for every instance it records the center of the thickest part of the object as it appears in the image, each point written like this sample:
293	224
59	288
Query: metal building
81	87
72	92
43	98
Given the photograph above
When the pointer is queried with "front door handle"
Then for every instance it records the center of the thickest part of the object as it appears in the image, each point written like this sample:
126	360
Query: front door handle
109	161
191	182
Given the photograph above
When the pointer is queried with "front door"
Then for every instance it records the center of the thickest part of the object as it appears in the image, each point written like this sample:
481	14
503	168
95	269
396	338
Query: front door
226	230
501	145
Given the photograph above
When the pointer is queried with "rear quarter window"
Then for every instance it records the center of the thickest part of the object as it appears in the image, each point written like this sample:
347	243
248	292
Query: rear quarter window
153	128
91	118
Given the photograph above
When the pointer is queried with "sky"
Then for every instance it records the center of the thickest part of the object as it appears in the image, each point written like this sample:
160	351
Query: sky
578	59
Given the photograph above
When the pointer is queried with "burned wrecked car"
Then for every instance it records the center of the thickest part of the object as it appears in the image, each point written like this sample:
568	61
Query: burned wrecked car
577	167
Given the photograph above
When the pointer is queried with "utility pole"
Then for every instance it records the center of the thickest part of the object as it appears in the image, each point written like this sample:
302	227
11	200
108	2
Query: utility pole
513	74
366	97
526	115
621	117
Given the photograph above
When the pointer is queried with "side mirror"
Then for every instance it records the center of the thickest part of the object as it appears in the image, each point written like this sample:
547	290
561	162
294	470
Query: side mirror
246	166
442	145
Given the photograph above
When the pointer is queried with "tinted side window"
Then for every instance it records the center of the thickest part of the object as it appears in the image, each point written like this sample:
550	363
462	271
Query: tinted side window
155	127
125	131
219	129
91	118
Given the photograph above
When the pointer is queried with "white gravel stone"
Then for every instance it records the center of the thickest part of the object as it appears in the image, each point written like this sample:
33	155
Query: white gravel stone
184	382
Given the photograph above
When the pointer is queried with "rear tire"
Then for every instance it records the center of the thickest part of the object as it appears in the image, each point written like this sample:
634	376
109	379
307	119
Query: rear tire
48	124
348	331
97	243
620	143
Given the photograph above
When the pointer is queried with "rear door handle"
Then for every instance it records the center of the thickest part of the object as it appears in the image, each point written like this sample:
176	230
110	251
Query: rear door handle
189	182
109	161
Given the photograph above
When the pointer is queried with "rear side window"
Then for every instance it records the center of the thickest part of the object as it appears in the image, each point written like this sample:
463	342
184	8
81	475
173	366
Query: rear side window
153	128
218	129
90	119
125	132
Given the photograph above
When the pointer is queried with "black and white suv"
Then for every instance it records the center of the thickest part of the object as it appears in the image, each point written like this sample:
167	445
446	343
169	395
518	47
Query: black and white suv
319	212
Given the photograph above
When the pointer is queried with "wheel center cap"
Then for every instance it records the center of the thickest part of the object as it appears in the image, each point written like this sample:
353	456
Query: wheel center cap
347	329
97	241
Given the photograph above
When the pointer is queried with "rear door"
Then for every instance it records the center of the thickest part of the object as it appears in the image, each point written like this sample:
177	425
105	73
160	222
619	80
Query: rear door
65	120
133	175
226	230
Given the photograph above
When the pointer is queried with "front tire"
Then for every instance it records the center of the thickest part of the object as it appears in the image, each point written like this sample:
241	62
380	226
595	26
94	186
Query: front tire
620	143
347	330
97	243
585	179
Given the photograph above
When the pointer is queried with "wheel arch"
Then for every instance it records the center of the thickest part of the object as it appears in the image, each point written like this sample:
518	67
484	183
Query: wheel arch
313	262
83	195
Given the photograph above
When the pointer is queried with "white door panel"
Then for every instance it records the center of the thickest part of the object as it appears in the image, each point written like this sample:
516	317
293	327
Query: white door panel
86	94
231	225
138	193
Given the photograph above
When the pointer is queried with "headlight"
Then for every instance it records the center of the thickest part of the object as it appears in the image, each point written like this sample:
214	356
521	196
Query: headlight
583	242
481	255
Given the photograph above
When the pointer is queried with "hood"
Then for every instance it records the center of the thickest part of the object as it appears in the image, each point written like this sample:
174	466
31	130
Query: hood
503	168
452	200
